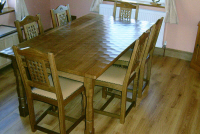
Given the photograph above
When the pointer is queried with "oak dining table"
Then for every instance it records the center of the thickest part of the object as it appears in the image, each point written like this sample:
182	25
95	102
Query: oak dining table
83	49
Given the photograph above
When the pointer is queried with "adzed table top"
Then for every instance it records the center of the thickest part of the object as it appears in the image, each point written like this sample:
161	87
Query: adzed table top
88	45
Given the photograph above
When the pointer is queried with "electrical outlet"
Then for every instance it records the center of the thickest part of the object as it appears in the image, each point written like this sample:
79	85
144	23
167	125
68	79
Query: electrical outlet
165	44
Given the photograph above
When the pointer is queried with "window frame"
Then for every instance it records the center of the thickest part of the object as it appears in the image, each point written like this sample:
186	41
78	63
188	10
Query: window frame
140	2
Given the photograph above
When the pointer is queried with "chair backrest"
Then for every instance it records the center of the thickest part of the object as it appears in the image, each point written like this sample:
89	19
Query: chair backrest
38	64
136	58
125	10
157	31
152	32
31	25
61	15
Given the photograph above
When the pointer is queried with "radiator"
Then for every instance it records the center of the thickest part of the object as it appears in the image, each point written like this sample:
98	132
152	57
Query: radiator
144	14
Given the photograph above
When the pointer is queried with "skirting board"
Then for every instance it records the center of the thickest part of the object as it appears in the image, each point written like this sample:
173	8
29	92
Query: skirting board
173	53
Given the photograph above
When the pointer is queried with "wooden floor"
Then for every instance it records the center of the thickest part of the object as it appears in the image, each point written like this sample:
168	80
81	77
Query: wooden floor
171	106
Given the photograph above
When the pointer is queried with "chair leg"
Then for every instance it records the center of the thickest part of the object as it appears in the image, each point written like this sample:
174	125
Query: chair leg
141	78
104	92
31	115
123	107
135	86
62	119
149	69
83	102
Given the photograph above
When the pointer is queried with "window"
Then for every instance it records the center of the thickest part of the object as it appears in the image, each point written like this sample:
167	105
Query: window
161	1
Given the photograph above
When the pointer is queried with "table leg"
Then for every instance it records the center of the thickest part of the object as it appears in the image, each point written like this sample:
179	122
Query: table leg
89	86
23	107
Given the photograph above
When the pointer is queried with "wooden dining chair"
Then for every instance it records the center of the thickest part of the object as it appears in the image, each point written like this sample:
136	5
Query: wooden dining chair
43	84
124	59
31	26
122	79
148	55
125	10
61	15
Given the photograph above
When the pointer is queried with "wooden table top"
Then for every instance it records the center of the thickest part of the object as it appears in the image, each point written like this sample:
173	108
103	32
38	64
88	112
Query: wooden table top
88	45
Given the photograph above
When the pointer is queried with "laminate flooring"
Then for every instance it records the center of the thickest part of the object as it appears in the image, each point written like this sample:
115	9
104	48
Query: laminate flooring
170	106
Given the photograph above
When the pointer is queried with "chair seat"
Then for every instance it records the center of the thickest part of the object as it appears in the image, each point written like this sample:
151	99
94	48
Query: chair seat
68	87
126	56
114	75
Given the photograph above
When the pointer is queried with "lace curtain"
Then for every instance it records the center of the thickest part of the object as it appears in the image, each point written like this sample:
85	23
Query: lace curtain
171	13
95	5
170	8
21	10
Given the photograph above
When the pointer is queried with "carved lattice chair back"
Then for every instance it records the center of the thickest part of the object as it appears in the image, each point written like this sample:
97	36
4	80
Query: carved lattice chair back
61	15
29	27
125	10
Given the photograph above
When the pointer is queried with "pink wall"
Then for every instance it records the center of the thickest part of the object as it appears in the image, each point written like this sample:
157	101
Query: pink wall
8	19
40	6
34	7
77	7
182	36
179	37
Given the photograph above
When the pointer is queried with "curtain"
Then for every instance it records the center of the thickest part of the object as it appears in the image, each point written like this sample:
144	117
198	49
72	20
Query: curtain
21	10
95	5
171	13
